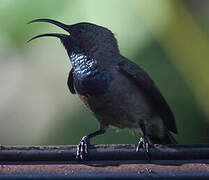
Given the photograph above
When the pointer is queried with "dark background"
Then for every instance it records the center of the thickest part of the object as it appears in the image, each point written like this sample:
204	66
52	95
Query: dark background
169	39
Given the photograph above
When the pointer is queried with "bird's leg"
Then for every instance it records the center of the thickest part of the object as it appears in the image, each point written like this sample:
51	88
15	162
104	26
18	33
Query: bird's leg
82	148
143	142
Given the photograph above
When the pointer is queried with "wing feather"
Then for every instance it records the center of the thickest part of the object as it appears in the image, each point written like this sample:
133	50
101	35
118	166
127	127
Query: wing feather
144	82
70	82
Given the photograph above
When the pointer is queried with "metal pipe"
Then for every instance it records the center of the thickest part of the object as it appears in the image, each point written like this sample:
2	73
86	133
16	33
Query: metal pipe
103	152
104	162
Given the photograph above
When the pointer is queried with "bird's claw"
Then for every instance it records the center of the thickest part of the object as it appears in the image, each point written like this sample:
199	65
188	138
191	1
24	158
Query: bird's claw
82	148
144	144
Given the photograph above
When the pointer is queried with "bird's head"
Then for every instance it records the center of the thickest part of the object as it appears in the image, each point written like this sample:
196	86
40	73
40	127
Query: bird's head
83	37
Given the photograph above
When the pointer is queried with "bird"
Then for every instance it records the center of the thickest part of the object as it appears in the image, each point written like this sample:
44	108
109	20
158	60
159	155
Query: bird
116	90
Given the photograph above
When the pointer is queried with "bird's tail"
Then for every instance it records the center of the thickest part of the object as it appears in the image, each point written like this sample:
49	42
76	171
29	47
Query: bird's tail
167	139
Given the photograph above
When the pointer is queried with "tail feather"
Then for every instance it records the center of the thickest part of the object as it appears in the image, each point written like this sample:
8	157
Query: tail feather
167	139
172	139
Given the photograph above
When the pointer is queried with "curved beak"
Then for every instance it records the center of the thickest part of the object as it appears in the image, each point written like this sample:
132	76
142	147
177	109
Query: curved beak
48	34
59	24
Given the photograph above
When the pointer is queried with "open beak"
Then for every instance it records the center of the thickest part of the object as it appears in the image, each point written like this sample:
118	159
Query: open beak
59	24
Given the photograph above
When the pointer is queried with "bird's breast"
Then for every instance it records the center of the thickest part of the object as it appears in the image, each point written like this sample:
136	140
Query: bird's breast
89	79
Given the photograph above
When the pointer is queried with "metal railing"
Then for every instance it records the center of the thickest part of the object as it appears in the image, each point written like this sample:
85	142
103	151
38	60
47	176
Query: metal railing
104	161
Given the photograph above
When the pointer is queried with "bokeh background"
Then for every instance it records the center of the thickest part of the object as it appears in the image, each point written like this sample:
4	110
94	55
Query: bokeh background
169	39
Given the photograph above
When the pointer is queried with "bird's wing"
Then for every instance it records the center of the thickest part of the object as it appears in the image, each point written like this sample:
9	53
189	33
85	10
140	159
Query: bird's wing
70	82
145	83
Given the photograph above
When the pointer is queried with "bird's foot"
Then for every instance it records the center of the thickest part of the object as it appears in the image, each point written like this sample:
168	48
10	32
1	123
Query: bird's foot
82	148
144	144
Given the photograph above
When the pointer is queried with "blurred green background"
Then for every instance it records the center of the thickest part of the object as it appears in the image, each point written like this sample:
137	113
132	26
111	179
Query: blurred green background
169	39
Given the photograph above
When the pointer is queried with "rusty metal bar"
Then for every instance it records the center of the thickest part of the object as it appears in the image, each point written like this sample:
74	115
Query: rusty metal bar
105	162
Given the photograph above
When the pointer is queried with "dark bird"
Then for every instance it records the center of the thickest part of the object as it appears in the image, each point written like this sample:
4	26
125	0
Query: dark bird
115	89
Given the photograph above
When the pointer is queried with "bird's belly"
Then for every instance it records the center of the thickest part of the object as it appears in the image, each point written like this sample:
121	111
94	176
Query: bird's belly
124	112
123	105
